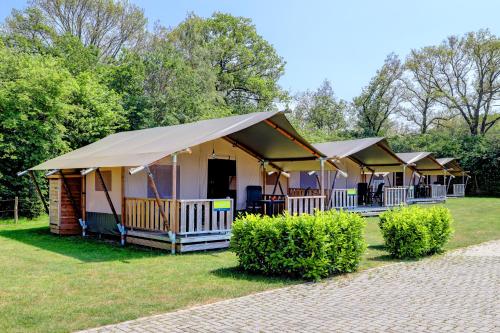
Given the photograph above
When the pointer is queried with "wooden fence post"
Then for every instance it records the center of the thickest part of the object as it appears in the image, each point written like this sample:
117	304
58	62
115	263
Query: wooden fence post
16	206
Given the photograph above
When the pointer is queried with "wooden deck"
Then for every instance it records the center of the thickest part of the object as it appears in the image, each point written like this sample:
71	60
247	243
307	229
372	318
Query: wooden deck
198	225
183	243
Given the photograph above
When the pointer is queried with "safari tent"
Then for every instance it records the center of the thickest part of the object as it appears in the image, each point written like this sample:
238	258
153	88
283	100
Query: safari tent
179	187
362	182
421	187
458	177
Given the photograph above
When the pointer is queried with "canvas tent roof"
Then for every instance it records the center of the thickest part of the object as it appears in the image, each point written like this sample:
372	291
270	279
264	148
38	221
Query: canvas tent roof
425	163
452	166
269	135
373	153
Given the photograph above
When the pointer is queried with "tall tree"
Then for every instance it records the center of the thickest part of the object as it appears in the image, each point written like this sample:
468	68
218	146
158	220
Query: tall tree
108	25
380	99
465	73
34	95
320	111
419	94
247	67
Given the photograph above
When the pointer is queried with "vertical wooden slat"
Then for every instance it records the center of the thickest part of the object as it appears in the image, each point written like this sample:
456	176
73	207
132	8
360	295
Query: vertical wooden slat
206	220
191	216
182	220
146	212
222	221
231	216
199	208
134	208
215	224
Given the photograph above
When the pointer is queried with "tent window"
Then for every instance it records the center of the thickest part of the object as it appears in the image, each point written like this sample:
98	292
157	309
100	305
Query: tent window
308	181
106	175
163	179
398	181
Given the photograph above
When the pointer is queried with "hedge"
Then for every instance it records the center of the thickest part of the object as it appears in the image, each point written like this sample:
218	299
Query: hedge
413	232
306	246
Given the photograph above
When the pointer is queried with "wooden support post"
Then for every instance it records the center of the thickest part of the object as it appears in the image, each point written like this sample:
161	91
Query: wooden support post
371	178
411	178
37	187
157	199
389	180
16	207
404	175
333	187
264	178
276	183
322	182
122	195
175	221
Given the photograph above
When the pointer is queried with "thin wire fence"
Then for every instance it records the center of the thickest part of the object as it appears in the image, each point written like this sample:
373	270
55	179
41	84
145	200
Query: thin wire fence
11	208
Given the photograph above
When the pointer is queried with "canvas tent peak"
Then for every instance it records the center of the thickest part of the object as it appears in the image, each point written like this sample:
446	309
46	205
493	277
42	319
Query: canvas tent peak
453	166
425	163
373	154
266	135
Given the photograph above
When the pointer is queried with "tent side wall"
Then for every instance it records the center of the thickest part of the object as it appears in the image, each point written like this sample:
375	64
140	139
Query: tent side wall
98	212
193	172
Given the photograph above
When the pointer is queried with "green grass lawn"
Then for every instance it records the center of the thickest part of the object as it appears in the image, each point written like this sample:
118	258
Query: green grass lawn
59	284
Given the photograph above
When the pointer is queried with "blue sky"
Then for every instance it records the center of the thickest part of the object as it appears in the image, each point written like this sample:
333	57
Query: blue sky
343	41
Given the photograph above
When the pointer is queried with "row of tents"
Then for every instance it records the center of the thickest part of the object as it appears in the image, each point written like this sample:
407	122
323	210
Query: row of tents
180	187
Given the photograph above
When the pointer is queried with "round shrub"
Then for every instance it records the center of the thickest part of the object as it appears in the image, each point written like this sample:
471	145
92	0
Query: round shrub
306	246
412	232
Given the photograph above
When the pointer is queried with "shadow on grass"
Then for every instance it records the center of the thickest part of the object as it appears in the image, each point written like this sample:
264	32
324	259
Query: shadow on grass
237	273
83	249
386	257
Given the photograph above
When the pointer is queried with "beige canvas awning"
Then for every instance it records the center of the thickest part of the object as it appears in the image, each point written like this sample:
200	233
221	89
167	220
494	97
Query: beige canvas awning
452	166
266	135
373	153
425	163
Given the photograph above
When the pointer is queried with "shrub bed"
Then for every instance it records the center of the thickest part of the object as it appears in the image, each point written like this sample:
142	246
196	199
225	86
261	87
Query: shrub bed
412	232
306	246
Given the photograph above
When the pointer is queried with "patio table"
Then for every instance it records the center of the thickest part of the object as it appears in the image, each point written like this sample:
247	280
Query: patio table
271	204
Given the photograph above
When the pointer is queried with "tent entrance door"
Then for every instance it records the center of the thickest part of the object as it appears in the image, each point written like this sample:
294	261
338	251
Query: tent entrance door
221	179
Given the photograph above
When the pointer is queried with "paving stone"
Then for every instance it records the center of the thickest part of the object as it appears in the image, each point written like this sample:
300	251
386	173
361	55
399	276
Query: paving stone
457	292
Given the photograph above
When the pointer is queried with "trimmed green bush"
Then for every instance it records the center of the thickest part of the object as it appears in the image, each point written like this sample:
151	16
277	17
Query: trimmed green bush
306	246
413	232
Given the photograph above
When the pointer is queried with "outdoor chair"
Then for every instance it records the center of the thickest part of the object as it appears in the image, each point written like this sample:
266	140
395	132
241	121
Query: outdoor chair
378	195
362	193
254	197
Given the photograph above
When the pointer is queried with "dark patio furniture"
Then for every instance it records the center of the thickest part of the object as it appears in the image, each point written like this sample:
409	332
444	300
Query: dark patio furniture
378	195
254	198
362	193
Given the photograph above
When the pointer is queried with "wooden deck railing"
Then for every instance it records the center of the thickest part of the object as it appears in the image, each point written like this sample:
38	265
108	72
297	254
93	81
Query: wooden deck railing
193	216
438	191
302	192
341	198
395	196
306	204
144	213
199	216
459	190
